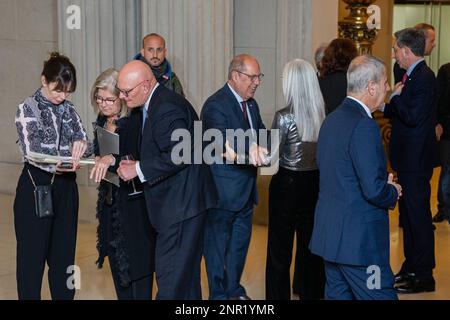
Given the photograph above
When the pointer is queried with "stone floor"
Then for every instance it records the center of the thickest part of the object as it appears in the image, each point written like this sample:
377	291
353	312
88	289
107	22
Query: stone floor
97	284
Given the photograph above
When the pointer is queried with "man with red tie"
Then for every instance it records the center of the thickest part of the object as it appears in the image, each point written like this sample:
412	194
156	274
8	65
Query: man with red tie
412	152
229	223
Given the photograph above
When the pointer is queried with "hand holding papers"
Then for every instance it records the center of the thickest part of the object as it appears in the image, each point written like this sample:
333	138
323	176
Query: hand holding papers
45	158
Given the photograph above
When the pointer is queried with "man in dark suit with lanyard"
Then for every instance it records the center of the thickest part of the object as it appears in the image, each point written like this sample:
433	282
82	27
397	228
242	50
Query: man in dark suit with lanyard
229	224
178	193
412	151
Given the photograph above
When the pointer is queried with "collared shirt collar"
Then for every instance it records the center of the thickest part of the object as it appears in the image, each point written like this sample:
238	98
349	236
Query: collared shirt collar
411	67
363	105
238	97
147	103
239	100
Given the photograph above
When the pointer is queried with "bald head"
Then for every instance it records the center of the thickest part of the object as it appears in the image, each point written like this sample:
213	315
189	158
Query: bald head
135	82
136	70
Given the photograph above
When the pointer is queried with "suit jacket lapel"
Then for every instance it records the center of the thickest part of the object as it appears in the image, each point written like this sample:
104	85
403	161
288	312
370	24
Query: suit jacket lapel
151	108
251	112
416	69
236	108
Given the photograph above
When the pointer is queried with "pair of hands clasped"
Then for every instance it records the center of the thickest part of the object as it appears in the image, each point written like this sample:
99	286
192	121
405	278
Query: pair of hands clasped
258	156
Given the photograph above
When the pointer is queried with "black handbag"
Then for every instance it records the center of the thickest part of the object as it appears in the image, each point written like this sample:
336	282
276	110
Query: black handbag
43	199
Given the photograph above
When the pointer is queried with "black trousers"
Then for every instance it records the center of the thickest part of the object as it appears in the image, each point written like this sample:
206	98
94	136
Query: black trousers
444	178
415	215
137	290
45	240
140	288
292	200
178	260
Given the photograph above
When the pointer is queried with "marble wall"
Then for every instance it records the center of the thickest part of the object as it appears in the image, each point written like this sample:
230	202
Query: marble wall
28	32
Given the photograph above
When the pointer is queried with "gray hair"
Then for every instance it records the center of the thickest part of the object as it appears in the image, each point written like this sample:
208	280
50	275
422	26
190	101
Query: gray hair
302	93
318	55
414	39
238	64
107	80
363	69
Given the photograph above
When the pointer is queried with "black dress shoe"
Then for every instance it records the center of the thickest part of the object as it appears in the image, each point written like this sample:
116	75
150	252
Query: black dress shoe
417	286
439	217
403	277
242	298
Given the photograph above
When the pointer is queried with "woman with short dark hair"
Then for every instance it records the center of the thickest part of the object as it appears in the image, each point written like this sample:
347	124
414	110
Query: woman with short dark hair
46	226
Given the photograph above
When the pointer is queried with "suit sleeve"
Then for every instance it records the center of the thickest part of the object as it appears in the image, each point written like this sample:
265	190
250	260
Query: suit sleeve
414	107
167	119
215	117
368	159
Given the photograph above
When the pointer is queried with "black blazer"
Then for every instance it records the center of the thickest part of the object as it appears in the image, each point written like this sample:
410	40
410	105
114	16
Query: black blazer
334	90
413	117
173	192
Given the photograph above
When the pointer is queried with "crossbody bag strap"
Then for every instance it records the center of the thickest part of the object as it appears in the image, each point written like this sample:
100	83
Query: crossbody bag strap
32	180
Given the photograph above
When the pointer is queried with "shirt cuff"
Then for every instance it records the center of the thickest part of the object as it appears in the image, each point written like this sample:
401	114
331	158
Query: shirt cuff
139	172
393	95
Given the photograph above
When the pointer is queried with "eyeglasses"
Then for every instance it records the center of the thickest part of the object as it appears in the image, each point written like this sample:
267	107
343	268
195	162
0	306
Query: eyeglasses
127	92
107	101
252	77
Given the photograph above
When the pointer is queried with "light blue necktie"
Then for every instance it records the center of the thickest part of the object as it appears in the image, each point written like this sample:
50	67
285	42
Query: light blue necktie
144	117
